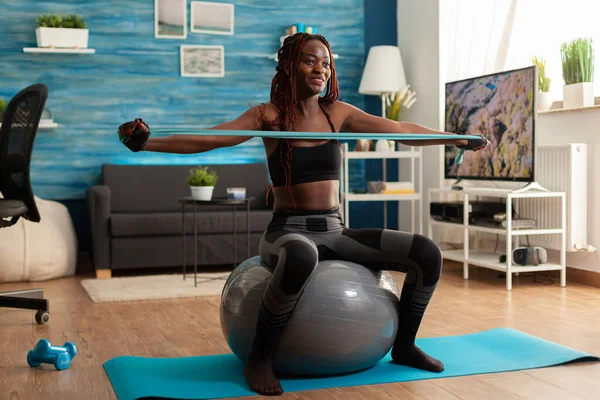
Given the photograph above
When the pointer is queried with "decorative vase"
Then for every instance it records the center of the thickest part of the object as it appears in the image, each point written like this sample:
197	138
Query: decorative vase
544	101
384	145
202	192
62	37
578	95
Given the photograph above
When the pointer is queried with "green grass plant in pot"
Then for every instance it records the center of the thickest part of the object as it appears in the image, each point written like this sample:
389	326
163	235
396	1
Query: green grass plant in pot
2	106
396	105
202	181
577	59
68	31
543	99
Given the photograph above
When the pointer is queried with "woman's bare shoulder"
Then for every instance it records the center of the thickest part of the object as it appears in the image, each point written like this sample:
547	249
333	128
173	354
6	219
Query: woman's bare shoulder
341	107
268	115
267	111
339	112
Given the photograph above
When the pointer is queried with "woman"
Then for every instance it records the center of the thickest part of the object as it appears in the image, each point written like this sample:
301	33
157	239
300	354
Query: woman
306	226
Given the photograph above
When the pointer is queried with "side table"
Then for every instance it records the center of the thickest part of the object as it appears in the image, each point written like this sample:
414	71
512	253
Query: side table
214	201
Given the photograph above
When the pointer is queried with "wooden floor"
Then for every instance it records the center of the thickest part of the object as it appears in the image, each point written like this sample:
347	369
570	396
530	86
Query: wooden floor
175	328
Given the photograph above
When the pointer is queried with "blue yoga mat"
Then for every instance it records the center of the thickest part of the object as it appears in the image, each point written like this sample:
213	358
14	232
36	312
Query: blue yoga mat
219	376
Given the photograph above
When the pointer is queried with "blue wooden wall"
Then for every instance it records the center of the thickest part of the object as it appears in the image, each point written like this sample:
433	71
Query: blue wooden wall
380	29
133	74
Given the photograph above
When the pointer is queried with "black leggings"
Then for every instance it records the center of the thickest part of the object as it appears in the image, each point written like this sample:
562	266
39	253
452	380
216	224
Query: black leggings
294	243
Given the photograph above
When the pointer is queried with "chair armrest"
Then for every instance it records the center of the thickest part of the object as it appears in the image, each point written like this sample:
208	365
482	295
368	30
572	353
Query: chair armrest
99	211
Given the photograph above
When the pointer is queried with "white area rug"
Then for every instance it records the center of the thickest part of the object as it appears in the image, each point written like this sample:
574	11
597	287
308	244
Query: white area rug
154	287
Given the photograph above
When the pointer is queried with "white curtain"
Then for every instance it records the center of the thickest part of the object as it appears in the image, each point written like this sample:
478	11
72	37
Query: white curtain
475	36
478	37
541	26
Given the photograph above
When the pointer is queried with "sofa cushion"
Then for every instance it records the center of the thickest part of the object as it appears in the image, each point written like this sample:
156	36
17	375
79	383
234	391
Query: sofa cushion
158	224
155	188
167	251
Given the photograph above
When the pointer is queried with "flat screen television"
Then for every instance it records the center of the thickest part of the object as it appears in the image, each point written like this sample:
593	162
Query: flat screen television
502	107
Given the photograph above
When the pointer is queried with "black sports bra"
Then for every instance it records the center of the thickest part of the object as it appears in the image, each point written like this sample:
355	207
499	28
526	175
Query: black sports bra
308	163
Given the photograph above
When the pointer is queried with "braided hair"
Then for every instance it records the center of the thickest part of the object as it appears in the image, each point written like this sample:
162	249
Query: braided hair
283	93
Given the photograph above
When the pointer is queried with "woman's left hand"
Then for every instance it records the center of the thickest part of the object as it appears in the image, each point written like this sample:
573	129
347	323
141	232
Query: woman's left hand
474	144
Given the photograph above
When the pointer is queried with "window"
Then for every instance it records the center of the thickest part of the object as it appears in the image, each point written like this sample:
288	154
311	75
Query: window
541	26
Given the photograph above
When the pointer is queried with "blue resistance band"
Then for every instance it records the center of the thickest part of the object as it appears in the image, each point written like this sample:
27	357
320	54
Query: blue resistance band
322	135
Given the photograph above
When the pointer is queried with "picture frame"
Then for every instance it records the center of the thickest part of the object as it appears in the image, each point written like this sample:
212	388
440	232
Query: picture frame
212	18
205	61
170	19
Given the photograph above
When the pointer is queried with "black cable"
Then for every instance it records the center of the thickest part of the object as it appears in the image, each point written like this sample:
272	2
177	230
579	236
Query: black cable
547	277
549	281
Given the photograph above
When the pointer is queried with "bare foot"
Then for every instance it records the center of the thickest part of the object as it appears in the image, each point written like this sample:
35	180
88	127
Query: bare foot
260	376
412	356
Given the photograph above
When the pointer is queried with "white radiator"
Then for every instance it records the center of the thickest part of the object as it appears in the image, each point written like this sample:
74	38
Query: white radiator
561	168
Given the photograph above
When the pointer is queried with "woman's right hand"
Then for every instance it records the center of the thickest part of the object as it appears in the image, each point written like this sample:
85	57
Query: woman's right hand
134	134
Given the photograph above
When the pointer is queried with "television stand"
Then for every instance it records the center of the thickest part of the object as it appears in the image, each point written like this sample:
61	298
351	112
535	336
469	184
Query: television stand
531	186
478	256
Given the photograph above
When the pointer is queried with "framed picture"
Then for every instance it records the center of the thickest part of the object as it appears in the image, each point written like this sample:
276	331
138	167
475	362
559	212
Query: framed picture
206	61
212	18
170	19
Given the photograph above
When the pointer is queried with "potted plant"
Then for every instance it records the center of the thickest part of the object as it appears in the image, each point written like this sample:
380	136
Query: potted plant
544	100
578	73
2	105
61	32
202	182
396	105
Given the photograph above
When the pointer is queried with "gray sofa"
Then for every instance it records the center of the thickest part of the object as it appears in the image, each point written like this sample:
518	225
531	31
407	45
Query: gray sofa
136	220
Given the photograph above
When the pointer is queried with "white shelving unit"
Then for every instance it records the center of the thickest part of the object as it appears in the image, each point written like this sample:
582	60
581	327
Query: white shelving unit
55	50
488	259
416	157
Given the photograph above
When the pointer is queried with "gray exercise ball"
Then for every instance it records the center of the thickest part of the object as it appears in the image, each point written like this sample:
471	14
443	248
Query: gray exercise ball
345	321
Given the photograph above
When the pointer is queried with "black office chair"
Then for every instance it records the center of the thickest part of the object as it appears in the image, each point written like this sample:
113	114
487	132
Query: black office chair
19	126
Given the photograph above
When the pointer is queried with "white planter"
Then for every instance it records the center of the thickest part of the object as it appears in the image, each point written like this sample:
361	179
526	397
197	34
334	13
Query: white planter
544	101
385	145
578	95
202	192
62	37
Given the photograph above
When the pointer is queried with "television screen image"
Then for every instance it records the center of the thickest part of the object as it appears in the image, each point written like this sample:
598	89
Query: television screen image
501	107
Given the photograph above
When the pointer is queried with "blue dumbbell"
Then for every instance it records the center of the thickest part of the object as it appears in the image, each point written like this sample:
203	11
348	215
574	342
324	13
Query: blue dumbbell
59	356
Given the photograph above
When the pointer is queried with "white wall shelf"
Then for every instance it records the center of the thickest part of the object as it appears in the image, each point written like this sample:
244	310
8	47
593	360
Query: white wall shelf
51	50
45	125
415	155
488	259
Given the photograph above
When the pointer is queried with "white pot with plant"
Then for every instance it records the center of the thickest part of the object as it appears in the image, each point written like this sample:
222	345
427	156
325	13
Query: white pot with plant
578	73
202	182
543	99
396	105
61	32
